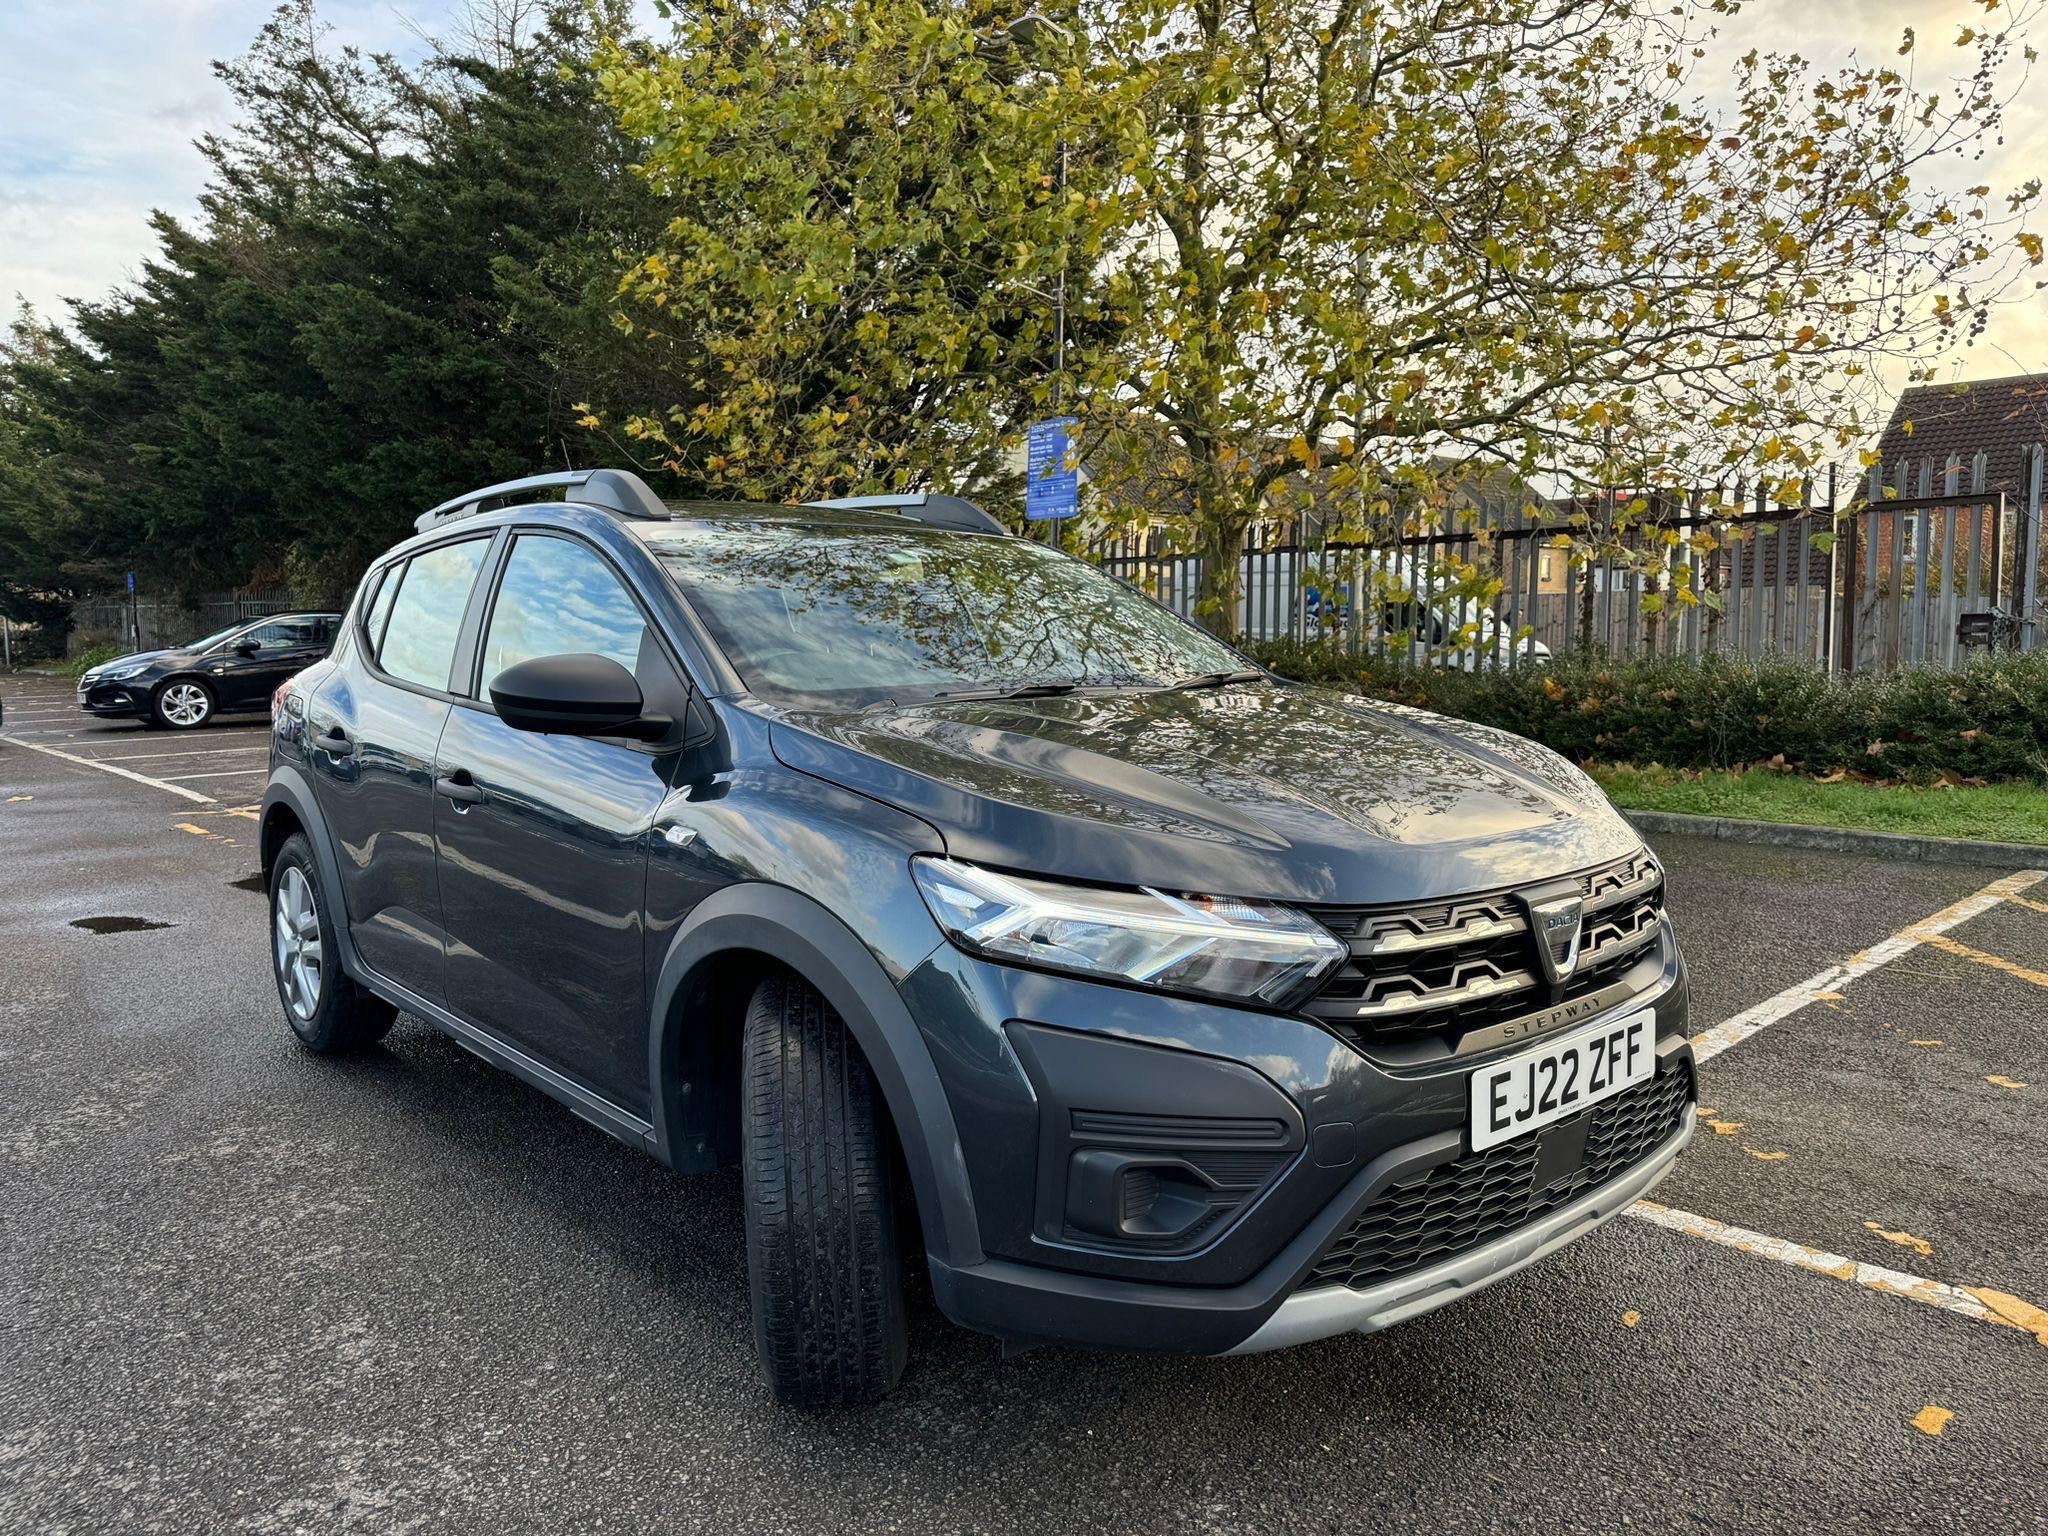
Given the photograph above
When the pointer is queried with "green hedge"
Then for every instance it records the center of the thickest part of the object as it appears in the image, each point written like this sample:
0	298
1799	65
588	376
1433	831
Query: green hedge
91	657
1988	721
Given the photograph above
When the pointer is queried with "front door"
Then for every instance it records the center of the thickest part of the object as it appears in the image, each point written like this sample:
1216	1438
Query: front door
543	839
247	670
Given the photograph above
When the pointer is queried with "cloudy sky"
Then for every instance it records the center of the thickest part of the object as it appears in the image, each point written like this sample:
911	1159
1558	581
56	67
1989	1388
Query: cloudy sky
100	101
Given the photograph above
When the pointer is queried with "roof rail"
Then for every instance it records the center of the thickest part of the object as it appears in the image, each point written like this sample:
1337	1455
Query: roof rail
955	512
614	490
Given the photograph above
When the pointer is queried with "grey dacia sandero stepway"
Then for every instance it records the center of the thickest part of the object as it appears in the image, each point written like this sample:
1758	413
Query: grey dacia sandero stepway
971	901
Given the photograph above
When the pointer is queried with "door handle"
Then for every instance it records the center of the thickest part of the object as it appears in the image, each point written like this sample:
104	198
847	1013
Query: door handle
459	787
336	742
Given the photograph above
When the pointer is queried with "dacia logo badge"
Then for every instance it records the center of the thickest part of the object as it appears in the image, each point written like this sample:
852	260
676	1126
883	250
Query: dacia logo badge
1557	924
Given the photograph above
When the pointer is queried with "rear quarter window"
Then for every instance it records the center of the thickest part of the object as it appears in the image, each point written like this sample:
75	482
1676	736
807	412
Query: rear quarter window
425	617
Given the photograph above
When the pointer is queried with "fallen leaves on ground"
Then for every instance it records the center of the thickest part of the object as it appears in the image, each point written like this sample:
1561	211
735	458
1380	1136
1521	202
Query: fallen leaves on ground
1924	1043
1919	1245
1766	1157
1999	1080
1932	1419
1630	1318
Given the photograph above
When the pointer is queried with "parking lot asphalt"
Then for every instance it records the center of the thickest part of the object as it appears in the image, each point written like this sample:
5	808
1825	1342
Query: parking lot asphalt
244	1289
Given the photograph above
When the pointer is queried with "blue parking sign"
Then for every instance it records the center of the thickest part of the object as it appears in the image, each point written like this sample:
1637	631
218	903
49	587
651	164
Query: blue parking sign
1052	484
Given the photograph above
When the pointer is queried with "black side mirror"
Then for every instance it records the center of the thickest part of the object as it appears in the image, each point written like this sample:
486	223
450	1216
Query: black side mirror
247	648
574	696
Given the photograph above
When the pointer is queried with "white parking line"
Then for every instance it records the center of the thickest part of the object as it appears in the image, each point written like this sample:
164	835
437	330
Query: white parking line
1979	1303
1829	983
147	757
224	773
86	762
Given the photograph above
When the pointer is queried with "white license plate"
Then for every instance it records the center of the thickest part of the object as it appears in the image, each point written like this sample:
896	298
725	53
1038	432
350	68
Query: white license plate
1561	1077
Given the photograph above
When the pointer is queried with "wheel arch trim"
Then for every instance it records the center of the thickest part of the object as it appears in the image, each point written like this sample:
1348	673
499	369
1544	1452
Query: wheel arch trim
784	926
289	790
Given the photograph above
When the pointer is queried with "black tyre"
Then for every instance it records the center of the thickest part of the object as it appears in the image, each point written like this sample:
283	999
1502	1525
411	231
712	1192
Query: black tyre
182	704
325	1009
822	1256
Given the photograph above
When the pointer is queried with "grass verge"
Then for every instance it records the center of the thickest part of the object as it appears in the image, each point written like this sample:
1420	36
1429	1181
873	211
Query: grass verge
1997	813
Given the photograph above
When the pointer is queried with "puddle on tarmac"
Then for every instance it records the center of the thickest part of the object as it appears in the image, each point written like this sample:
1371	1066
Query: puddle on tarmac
115	924
249	882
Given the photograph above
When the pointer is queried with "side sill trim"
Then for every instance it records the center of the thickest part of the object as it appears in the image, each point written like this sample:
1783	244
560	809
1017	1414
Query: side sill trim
1318	1314
585	1105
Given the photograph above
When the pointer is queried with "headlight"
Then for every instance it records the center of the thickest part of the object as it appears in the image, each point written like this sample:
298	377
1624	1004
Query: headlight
1248	951
120	674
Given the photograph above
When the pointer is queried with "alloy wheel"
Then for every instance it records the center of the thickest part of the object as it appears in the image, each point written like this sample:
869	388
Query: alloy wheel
296	921
185	704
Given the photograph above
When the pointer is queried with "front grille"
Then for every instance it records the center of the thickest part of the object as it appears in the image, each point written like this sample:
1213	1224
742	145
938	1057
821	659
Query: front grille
1462	964
1463	1204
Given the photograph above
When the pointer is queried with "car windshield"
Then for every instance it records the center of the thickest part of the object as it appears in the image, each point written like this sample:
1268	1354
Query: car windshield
853	615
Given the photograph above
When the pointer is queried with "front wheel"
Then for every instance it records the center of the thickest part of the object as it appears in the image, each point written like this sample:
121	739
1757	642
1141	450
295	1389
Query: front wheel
325	1009
183	704
822	1256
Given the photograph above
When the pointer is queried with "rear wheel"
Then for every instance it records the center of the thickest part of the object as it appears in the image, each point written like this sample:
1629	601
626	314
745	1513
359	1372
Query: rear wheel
822	1255
183	704
325	1009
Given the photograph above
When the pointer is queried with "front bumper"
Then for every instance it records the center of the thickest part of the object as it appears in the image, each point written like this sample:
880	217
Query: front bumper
1318	1314
114	699
1269	1309
1138	1078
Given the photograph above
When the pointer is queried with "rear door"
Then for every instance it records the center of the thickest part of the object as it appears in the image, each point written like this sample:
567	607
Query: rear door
373	725
543	839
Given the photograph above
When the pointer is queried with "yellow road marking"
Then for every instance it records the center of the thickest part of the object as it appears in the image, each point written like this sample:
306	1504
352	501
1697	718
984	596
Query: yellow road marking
1827	985
1984	1306
1949	946
2023	1315
2030	904
1932	1419
186	826
1766	1157
2001	1081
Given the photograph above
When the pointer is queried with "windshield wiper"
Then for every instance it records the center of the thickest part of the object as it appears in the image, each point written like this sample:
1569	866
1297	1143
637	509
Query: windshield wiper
1026	691
1215	680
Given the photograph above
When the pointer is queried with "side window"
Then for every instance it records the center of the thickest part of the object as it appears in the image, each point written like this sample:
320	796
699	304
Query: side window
265	637
558	598
426	616
281	636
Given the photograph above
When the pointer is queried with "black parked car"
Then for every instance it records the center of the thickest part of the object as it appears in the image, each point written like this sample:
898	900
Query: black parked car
236	669
972	903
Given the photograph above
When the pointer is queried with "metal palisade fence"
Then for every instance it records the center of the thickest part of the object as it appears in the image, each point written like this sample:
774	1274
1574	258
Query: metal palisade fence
147	623
1911	564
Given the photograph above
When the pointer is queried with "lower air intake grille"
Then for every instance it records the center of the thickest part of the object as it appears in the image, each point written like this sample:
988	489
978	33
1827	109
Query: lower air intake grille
1461	1205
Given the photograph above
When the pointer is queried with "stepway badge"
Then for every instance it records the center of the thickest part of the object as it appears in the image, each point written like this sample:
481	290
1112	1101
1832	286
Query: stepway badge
1052	486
